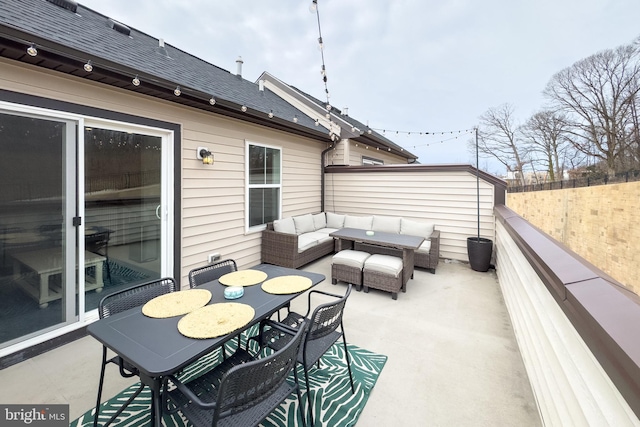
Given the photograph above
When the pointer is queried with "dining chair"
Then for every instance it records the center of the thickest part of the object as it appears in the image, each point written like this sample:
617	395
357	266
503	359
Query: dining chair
211	272
135	296
242	390
325	329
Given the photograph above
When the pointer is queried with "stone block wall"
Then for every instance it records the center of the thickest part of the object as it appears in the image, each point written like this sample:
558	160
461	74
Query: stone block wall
600	223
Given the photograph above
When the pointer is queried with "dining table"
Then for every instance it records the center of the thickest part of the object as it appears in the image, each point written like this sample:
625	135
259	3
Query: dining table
157	349
408	244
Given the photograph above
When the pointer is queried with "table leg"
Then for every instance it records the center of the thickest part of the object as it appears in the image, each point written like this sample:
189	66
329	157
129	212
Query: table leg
44	290
408	256
155	384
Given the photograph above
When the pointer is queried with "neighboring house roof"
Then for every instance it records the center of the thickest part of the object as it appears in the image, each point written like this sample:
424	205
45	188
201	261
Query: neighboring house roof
68	34
349	127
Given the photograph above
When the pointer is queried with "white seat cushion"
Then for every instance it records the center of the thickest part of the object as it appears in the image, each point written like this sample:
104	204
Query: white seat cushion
425	247
327	230
306	241
386	264
350	258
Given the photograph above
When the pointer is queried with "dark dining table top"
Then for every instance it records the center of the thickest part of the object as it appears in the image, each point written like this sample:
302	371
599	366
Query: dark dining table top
400	241
157	348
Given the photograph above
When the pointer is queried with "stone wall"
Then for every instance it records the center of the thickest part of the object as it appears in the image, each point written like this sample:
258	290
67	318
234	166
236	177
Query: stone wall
601	224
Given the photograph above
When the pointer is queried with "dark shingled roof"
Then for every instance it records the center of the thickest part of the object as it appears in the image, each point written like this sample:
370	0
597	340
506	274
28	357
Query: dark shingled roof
75	37
68	34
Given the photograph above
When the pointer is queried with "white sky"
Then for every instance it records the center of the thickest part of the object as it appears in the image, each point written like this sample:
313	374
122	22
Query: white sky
400	65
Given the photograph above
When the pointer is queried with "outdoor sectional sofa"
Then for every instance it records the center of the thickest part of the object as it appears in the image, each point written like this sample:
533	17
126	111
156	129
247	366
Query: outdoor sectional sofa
295	241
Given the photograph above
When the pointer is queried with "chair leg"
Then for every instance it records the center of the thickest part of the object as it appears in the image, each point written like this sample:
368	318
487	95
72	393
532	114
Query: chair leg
303	415
102	370
123	407
346	354
309	401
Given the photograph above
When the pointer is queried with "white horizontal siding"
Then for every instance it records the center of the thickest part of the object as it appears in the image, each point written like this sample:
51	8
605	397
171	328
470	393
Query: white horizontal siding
212	196
447	199
569	384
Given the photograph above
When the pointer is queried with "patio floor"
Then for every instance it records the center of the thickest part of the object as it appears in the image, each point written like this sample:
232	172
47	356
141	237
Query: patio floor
453	357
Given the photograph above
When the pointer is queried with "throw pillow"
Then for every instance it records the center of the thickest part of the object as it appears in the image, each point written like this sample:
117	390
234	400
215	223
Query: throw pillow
285	225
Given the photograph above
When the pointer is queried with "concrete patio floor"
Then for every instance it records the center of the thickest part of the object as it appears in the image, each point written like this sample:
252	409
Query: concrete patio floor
452	356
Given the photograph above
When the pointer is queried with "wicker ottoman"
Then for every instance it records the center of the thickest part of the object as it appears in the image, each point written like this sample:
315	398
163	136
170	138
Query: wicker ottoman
383	272
347	266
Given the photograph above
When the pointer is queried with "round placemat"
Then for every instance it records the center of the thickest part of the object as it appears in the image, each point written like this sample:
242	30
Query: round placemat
243	278
176	303
215	320
287	285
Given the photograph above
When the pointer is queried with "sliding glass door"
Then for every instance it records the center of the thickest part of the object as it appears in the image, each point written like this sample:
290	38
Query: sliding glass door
84	211
37	243
123	208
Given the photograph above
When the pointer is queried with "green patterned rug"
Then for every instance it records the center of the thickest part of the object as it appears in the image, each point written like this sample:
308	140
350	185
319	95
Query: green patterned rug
334	403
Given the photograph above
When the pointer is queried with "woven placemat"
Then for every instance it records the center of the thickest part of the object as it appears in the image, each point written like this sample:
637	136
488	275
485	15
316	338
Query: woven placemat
176	303
243	278
287	285
216	320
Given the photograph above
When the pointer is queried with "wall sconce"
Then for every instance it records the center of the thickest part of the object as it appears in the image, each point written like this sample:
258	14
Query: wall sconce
31	50
205	155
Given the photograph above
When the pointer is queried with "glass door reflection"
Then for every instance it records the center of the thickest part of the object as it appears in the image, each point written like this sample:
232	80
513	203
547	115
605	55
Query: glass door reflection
122	194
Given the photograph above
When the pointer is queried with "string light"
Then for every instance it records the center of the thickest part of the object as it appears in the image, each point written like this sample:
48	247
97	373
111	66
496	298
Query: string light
177	91
88	67
313	8
212	101
135	81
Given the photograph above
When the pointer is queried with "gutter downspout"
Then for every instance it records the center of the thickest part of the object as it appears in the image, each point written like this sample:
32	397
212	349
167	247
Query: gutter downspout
322	166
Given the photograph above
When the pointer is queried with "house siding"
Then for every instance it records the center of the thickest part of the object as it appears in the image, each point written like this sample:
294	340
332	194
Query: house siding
446	198
212	197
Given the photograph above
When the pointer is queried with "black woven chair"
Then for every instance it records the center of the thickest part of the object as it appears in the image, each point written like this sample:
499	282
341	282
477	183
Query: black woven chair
325	329
241	391
135	296
211	272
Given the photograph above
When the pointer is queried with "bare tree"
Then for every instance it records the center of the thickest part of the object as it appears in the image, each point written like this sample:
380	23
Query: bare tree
497	137
546	134
598	93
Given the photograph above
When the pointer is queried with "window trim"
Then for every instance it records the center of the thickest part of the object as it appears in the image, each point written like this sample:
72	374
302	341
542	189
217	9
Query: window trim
248	185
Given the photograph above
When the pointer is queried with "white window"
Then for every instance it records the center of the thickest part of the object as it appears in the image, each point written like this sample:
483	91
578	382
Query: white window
371	161
264	184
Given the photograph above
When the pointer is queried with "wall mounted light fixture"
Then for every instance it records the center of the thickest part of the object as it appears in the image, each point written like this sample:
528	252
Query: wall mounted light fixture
31	50
204	154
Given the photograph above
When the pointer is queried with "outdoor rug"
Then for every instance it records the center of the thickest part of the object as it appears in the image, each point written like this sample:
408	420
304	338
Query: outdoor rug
334	403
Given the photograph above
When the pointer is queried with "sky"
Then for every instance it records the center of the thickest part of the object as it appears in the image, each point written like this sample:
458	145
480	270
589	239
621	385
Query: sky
403	66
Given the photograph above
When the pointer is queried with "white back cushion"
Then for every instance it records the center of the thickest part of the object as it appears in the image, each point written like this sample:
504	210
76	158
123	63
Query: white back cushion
388	224
361	222
335	220
415	228
284	225
304	223
319	221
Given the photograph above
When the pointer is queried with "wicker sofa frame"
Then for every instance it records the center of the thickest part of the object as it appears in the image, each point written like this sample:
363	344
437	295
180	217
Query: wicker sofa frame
282	249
